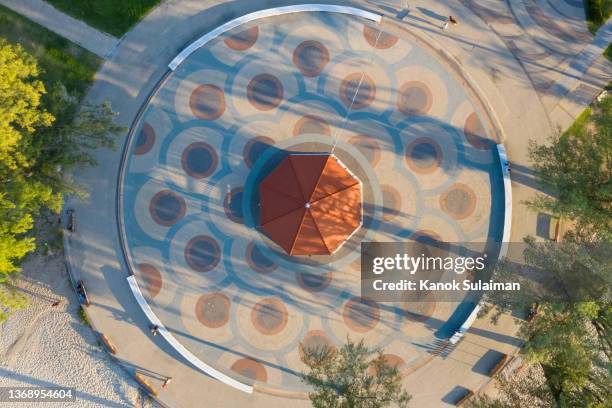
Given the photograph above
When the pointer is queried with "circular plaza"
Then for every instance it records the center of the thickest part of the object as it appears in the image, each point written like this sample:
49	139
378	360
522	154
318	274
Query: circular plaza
389	106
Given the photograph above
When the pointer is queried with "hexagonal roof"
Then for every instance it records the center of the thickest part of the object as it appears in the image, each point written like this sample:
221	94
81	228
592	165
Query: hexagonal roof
310	204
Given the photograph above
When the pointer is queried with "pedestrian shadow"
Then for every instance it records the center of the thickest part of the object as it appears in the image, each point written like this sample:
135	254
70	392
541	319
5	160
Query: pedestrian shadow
432	14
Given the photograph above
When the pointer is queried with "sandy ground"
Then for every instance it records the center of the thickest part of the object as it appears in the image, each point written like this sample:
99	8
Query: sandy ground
49	346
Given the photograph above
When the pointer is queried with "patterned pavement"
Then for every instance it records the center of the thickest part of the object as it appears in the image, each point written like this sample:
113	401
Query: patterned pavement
387	106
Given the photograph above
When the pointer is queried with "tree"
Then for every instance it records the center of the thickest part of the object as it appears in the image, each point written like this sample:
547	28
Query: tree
21	196
352	377
570	337
576	166
35	151
527	388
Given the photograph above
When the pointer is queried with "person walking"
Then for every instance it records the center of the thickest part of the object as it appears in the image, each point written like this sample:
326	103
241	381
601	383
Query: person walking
445	26
154	329
452	20
168	381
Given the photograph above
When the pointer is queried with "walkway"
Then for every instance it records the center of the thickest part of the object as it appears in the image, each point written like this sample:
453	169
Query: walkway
41	12
508	73
551	41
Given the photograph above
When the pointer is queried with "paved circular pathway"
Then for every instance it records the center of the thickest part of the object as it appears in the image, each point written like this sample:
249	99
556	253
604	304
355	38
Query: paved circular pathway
385	104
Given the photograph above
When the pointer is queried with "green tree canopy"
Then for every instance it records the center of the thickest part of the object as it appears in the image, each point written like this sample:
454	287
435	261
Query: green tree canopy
352	377
577	167
35	150
570	336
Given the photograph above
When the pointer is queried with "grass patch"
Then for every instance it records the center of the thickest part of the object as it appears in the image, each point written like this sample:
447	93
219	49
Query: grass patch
113	16
59	59
608	53
597	12
581	121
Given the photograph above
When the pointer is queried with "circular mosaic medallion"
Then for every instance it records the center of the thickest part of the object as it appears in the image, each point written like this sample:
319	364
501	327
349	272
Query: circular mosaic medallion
458	201
202	253
152	278
167	207
414	98
269	316
475	133
265	92
213	310
361	315
310	57
311	124
379	39
255	148
250	368
423	155
207	102
145	140
259	262
357	90
242	40
199	160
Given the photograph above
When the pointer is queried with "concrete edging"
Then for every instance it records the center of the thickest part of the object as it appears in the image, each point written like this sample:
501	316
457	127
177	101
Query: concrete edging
271	12
505	168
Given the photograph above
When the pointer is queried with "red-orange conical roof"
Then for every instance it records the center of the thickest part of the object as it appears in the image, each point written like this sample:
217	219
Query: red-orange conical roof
310	204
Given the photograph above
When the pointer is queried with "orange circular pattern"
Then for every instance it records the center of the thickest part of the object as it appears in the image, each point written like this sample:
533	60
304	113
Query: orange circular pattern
152	278
357	90
207	102
247	367
199	160
167	208
315	340
361	315
265	92
202	253
145	140
476	134
213	310
254	148
269	316
378	39
311	124
310	57
423	155
414	98
392	360
459	201
242	40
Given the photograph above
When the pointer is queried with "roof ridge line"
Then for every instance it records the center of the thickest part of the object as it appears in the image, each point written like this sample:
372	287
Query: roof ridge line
335	192
314	220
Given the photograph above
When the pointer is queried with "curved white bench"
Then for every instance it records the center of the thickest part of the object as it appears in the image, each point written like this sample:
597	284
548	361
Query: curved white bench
505	168
276	11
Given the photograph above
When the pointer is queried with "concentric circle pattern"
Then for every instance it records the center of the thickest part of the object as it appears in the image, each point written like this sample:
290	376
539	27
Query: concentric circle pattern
392	111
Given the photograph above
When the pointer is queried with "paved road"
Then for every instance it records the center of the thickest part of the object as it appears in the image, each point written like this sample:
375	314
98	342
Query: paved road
127	78
41	12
